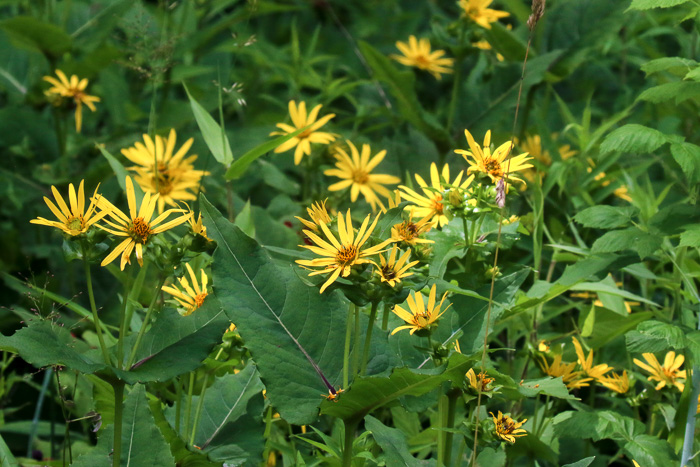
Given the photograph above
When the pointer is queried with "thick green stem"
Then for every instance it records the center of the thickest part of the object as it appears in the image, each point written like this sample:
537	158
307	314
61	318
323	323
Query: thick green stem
368	337
442	409
346	353
452	397
188	405
356	344
93	307
122	320
198	412
118	415
142	331
350	427
465	227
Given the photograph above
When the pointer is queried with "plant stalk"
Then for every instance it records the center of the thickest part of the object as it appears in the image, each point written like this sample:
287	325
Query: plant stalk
346	353
368	337
142	331
93	307
350	427
118	416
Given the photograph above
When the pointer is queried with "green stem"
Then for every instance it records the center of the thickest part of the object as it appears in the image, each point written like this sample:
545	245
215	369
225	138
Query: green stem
442	408
93	307
198	412
142	331
385	317
452	397
368	337
356	344
467	240
188	406
456	81
118	415
178	404
122	320
350	427
346	353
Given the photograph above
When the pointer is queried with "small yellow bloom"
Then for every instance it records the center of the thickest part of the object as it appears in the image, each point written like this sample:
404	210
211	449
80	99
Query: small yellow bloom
511	220
339	255
484	45
508	429
571	378
190	297
494	165
162	170
410	232
73	221
420	316
333	394
596	372
198	228
392	271
480	382
417	53
478	11
356	173
75	89
615	382
431	203
543	346
669	374
318	215
302	141
137	227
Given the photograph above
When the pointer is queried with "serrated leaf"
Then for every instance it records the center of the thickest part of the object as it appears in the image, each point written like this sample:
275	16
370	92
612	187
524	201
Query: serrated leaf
688	157
676	65
650	450
693	74
582	463
548	386
644	243
604	424
654	336
142	442
213	134
633	138
490	457
678	91
649	4
241	164
605	217
393	443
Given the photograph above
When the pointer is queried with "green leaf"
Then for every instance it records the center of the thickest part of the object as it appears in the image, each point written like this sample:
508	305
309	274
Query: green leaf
609	325
644	243
31	33
6	457
633	138
688	157
676	65
654	336
678	91
244	221
370	392
650	450
548	386
291	331
649	4
142	442
605	217
490	457
213	134
582	463
692	342
393	443
691	237
241	164
604	424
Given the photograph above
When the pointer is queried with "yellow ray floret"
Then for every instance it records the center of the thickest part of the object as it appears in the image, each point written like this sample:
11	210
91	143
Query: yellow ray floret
420	316
392	271
508	429
190	297
669	374
74	220
302	141
74	89
318	215
478	11
494	165
339	254
417	53
594	371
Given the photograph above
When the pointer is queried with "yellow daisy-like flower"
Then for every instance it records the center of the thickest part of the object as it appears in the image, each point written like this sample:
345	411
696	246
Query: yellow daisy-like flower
478	11
420	316
318	215
506	428
76	220
74	89
198	228
162	170
392	271
484	45
356	173
669	374
410	232
417	53
302	141
493	164
480	382
596	372
339	255
137	227
431	203
190	297
571	378
617	383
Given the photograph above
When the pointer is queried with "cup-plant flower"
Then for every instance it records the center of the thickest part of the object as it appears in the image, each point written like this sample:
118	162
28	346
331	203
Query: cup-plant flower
417	53
356	173
302	141
339	254
479	12
410	232
392	270
73	220
318	215
594	371
190	297
495	165
137	228
420	316
572	379
669	374
508	429
615	382
73	88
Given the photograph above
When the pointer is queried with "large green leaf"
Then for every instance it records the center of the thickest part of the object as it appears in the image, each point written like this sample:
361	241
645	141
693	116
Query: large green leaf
688	157
370	392
6	457
650	450
644	243
654	336
633	138
393	443
213	134
605	217
33	33
649	4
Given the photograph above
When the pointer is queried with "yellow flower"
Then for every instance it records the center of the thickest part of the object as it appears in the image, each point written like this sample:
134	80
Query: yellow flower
431	205
392	271
73	221
417	53
484	45
356	173
617	383
667	375
494	165
197	226
543	346
420	316
478	12
75	89
623	193
159	171
190	297
506	428
303	140
635	463
338	256
571	378
586	362
318	214
409	231
481	380
333	394
137	227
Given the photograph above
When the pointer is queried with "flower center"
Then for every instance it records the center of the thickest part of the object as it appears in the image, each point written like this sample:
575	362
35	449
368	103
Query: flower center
346	254
388	273
140	230
407	231
493	167
437	204
360	176
422	62
421	319
199	299
75	223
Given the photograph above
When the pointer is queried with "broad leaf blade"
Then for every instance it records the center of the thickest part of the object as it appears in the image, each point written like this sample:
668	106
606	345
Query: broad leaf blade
213	134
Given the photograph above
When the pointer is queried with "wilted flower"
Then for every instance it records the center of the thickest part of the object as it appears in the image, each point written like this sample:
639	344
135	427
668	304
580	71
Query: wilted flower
615	382
417	53
410	232
480	382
